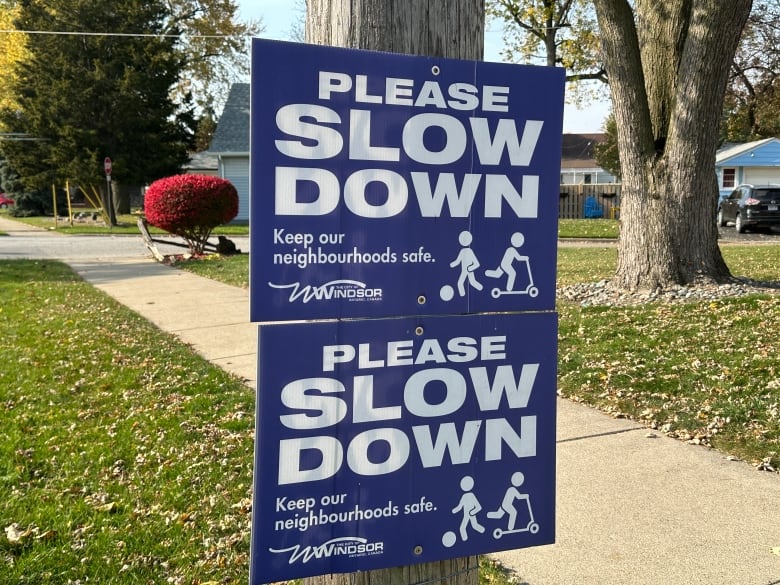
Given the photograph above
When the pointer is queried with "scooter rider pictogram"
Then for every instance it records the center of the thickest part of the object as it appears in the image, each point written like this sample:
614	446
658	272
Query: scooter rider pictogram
508	506
507	267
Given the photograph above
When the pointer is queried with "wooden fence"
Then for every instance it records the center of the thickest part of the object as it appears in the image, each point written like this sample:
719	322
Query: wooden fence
572	202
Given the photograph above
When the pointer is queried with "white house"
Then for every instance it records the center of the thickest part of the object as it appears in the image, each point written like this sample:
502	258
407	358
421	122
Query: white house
756	163
578	167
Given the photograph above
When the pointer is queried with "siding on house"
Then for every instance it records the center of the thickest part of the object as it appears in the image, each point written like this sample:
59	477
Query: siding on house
236	169
755	163
230	145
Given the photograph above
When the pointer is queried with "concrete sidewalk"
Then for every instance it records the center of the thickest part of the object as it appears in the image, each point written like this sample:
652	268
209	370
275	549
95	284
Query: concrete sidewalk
210	316
633	508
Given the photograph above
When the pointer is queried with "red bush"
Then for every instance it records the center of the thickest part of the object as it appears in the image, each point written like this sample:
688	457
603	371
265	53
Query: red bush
191	206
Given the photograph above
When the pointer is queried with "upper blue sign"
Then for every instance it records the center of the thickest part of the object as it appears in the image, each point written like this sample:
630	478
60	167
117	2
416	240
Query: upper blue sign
386	185
390	442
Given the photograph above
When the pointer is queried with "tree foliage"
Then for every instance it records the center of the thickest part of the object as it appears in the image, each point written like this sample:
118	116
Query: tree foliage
191	206
12	51
753	97
85	96
606	153
556	33
214	46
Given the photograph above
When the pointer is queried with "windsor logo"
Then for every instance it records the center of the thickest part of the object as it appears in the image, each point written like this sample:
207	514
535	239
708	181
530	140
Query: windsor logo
344	289
350	546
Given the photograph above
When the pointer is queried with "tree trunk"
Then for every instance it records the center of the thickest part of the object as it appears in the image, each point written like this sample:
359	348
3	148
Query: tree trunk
668	79
437	28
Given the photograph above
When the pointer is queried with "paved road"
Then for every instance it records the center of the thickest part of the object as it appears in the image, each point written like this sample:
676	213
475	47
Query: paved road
24	241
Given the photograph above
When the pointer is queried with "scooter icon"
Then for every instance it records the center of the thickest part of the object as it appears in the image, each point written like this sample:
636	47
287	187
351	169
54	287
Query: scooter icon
508	507
507	267
532	527
531	290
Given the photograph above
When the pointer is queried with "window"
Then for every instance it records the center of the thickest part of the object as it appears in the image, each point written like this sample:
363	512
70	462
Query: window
729	178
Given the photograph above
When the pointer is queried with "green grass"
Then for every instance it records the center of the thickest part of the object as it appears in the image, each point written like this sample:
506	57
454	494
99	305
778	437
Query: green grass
585	264
233	270
124	457
588	228
706	372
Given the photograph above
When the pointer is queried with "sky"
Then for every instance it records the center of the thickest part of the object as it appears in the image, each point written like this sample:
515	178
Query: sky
278	17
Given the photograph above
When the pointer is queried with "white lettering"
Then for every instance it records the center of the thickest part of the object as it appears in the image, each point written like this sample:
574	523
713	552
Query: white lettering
293	119
330	82
296	396
288	180
414	144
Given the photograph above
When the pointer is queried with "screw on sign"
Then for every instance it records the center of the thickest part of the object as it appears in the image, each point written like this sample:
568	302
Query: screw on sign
107	166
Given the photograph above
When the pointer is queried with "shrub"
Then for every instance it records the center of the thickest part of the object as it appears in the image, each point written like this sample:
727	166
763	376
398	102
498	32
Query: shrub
191	206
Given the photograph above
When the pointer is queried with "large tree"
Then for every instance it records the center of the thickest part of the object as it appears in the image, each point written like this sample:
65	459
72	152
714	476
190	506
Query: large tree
668	65
83	95
445	29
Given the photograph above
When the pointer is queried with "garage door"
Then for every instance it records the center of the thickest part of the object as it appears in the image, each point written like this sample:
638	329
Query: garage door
762	176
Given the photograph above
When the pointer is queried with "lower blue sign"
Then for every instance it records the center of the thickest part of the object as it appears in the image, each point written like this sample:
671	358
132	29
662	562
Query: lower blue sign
391	442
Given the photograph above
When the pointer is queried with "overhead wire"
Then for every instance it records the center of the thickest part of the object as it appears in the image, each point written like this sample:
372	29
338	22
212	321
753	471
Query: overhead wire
112	34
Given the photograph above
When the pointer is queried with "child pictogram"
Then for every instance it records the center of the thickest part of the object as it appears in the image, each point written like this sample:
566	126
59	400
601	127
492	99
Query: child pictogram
467	260
469	506
507	267
508	507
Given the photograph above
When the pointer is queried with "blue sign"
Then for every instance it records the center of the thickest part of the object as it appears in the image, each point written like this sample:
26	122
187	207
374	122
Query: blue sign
392	442
387	185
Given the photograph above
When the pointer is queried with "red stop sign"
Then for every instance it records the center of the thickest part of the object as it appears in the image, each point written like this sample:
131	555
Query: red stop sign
107	166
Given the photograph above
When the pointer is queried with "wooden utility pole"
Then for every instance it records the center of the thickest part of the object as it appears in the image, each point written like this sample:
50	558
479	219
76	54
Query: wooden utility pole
436	28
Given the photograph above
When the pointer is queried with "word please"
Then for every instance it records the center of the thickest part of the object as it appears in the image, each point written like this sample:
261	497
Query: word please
402	353
403	92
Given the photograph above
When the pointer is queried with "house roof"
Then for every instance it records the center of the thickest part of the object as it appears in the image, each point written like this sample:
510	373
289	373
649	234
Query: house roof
577	149
733	153
202	161
232	133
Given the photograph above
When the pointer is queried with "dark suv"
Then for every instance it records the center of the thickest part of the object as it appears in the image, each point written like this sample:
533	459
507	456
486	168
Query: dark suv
751	207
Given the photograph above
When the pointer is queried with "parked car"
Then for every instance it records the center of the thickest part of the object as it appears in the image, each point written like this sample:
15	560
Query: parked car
5	201
751	207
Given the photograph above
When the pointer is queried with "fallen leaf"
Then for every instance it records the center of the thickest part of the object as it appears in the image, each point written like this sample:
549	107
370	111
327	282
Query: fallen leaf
15	535
110	507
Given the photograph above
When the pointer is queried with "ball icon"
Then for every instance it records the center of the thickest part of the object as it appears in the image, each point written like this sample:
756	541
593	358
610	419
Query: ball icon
448	539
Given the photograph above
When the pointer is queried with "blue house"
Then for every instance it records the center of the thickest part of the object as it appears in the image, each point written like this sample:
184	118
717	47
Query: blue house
756	163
